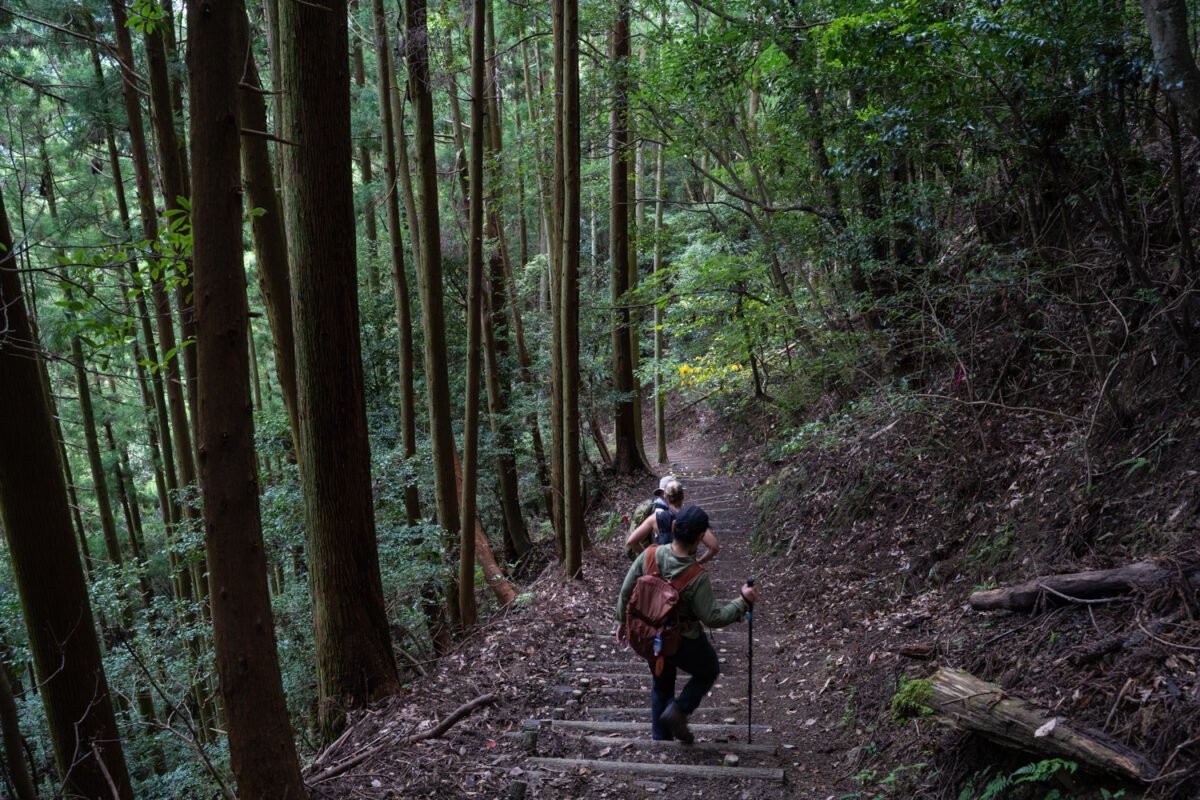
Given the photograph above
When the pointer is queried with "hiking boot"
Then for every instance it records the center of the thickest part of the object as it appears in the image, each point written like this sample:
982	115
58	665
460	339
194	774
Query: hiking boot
677	723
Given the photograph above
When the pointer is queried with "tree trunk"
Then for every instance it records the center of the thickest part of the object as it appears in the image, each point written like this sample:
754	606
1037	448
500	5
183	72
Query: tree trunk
355	662
366	169
108	523
269	234
49	578
387	114
14	757
262	750
627	456
1167	21
492	574
405	175
127	496
470	482
554	237
496	345
660	335
573	522
175	403
174	186
437	380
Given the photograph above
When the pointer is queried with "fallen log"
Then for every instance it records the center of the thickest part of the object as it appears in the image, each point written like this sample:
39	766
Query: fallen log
963	701
1096	586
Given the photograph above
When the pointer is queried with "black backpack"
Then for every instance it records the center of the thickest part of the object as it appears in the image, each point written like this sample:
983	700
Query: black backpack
664	516
658	506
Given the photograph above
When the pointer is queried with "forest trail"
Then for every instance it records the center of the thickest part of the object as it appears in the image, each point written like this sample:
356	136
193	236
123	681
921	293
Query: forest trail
600	732
570	717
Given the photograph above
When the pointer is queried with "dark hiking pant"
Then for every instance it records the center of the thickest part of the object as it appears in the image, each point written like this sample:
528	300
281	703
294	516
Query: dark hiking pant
697	658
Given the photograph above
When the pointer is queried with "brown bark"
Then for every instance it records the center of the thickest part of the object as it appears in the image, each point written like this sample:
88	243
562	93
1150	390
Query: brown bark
270	237
176	406
37	525
127	496
175	186
470	479
355	662
627	456
405	175
437	379
554	237
14	758
966	702
660	400
108	523
387	115
262	750
366	168
1167	21
492	574
1081	586
568	294
496	346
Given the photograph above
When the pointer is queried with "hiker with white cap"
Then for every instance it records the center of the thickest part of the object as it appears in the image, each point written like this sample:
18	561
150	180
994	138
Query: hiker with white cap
659	527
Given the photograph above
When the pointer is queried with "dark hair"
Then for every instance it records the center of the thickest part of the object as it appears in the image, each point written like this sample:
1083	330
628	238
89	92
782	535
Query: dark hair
690	524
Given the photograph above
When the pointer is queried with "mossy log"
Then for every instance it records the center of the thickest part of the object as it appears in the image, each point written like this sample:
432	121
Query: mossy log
1093	586
963	701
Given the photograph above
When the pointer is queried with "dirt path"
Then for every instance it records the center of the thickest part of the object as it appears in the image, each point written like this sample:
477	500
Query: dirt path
571	711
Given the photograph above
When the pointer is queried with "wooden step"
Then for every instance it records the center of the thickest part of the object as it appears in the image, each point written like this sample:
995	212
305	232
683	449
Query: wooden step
662	770
599	726
630	663
610	713
705	747
628	743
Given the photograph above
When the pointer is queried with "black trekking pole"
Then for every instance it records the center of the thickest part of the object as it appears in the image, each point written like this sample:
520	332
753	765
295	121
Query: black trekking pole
750	670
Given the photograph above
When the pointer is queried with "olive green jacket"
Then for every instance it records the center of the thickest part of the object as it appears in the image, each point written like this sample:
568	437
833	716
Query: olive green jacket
696	603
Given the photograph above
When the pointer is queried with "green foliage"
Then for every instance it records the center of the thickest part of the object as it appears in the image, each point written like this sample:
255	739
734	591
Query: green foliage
913	699
146	16
1001	786
610	527
897	783
995	549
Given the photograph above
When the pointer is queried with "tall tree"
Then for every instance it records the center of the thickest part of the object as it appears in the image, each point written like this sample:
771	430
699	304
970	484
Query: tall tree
262	750
466	541
108	523
49	578
628	456
660	399
14	756
437	379
568	293
172	169
392	157
355	661
267	230
1167	21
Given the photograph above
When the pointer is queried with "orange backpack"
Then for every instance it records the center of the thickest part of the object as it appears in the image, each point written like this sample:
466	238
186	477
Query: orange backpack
653	625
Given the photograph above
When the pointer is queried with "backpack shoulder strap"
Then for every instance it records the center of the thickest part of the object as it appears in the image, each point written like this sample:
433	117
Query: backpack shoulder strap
651	565
684	579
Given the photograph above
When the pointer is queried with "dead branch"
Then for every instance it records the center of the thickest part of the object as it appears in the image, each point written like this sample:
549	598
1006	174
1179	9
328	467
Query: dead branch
1082	587
433	733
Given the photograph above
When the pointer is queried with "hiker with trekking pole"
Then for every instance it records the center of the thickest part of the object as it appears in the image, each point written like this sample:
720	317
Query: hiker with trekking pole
665	602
